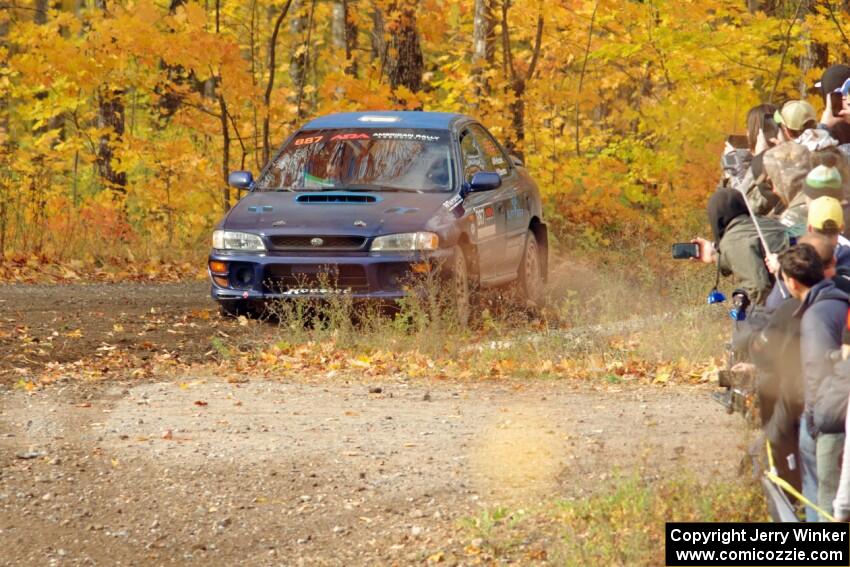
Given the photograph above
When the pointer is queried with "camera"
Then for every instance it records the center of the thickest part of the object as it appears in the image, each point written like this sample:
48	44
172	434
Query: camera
739	395
740	304
715	296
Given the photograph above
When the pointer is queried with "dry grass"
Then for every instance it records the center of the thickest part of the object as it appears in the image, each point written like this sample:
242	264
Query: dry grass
621	526
604	321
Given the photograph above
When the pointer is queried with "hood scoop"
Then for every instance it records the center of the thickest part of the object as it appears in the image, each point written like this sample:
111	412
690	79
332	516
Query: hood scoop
326	198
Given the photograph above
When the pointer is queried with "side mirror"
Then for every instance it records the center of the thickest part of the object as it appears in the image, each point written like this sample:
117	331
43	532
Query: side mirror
240	179
485	181
516	161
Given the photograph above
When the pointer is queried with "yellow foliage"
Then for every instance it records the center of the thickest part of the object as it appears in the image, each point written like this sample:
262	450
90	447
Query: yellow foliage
622	120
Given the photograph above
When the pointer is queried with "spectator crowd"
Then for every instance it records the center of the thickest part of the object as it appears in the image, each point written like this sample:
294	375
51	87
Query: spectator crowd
780	221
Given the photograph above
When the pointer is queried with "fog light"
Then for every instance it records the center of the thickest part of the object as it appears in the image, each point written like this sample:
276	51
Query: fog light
220	281
243	276
217	267
420	268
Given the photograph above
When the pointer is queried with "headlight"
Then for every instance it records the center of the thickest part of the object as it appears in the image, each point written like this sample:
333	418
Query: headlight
229	240
406	241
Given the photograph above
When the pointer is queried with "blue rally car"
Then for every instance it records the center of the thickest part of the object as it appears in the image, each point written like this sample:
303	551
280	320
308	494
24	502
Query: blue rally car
354	203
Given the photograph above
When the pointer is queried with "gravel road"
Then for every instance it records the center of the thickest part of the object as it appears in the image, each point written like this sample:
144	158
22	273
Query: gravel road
264	473
196	469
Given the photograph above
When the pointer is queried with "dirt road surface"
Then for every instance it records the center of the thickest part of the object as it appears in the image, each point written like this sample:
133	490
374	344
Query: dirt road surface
199	470
40	324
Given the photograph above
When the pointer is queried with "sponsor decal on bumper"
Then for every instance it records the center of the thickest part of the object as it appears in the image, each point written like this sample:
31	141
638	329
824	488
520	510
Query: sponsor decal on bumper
315	291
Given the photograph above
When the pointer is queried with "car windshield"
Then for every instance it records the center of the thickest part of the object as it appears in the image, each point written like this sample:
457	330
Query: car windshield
379	159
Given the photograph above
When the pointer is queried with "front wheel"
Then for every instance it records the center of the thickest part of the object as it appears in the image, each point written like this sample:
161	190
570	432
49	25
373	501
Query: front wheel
530	280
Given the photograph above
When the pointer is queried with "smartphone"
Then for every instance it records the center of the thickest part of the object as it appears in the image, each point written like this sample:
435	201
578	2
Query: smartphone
685	250
738	141
837	103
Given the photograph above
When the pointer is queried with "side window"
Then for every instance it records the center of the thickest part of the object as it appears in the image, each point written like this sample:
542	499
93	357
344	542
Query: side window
474	158
496	159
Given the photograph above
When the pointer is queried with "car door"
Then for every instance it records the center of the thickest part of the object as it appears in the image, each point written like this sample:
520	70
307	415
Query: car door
489	227
509	205
517	200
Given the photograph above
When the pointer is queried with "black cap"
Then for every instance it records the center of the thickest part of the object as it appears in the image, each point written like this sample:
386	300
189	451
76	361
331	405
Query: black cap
833	78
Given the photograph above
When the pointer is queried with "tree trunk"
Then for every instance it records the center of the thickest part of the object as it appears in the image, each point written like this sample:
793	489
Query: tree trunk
225	154
5	152
297	27
816	54
305	63
270	85
377	42
483	46
518	116
350	38
338	24
111	117
483	33
344	32
519	82
40	16
403	54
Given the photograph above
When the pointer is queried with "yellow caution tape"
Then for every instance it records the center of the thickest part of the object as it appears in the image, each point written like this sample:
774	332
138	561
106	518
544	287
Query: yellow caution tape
786	486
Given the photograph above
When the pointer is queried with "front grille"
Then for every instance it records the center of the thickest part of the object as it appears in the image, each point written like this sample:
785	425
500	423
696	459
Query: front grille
281	277
286	242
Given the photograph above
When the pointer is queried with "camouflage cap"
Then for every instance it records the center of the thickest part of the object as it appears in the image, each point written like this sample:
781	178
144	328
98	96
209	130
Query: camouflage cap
786	166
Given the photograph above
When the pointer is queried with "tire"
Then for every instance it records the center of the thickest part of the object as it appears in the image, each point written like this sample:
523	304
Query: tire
530	283
459	287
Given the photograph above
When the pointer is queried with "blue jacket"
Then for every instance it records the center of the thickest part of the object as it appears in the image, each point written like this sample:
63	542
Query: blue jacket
777	296
824	314
842	256
780	293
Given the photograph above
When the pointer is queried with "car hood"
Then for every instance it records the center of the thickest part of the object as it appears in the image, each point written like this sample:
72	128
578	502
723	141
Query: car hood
338	212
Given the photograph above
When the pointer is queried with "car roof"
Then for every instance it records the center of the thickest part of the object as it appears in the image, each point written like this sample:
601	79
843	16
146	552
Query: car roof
386	119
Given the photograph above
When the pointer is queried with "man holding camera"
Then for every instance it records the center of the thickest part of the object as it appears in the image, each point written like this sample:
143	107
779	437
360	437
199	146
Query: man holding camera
737	248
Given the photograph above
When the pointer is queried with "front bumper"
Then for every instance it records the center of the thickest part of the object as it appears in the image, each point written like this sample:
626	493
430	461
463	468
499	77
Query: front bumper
256	278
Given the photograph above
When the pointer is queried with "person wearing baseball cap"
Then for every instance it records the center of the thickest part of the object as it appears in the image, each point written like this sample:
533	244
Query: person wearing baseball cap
795	117
836	78
823	181
832	79
826	217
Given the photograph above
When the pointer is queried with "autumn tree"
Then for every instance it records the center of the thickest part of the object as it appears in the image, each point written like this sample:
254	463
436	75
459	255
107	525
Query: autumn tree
120	121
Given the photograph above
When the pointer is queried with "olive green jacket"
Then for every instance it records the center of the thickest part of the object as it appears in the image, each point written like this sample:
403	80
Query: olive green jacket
742	254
